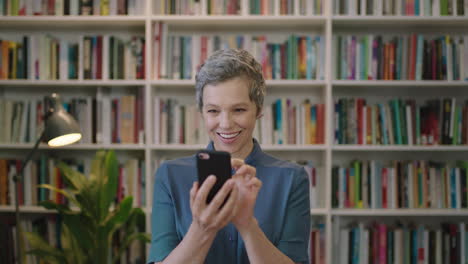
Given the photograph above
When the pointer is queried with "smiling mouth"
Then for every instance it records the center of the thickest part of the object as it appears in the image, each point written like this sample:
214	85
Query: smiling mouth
229	135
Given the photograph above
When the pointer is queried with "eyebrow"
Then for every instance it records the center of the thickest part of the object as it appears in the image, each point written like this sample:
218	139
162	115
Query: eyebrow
234	105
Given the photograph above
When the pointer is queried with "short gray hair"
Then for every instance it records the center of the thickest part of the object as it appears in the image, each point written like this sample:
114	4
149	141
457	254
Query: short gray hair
224	65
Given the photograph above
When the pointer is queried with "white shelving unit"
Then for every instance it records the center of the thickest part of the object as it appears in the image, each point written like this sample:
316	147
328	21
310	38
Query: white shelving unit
398	212
76	146
25	209
399	148
73	83
402	20
409	84
247	20
323	155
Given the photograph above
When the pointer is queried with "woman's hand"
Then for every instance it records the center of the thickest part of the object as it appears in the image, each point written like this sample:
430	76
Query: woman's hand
248	187
209	218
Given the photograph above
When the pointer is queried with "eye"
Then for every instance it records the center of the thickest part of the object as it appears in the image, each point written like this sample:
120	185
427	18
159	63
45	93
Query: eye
212	111
240	109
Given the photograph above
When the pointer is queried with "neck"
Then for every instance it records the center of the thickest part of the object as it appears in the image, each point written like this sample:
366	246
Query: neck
243	152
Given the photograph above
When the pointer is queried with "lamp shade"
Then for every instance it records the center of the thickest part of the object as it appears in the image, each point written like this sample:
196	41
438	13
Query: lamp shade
60	127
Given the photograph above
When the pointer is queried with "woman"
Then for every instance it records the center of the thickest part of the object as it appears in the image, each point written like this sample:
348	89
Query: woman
266	218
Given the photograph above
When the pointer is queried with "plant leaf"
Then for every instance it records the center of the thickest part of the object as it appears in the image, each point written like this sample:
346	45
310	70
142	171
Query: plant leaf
82	228
99	178
143	237
61	208
71	248
61	191
110	175
96	165
40	248
123	210
131	227
88	197
129	239
119	216
135	220
87	234
74	180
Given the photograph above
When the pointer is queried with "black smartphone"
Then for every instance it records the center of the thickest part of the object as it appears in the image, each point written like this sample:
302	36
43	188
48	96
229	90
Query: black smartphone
218	163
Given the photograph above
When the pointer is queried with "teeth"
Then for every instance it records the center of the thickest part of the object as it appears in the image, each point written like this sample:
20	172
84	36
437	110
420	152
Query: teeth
229	135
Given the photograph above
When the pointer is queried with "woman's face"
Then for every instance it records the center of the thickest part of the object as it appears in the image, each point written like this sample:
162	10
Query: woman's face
230	116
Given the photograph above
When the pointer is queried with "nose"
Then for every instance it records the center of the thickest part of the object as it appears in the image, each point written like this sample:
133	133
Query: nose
225	120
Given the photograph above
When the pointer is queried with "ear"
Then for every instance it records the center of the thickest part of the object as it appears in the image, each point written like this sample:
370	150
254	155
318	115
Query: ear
259	113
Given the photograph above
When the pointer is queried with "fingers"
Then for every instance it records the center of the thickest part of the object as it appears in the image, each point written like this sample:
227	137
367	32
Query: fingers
247	171
229	209
243	169
211	217
254	183
236	163
202	193
214	217
220	197
193	193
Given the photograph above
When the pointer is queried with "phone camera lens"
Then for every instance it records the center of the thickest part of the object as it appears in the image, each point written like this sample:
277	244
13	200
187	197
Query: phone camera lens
203	156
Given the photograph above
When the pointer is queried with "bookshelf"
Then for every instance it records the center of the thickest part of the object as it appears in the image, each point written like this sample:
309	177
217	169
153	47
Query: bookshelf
324	156
398	212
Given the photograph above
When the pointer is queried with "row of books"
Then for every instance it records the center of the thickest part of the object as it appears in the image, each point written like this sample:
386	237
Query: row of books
400	184
38	172
177	7
369	57
104	120
282	57
23	120
132	182
119	118
317	244
223	7
177	123
131	178
42	171
315	183
284	7
288	122
283	122
71	7
126	57
403	57
401	122
401	7
45	57
13	63
233	7
383	243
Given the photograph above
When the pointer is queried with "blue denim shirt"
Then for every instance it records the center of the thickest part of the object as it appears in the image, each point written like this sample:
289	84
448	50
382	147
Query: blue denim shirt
282	209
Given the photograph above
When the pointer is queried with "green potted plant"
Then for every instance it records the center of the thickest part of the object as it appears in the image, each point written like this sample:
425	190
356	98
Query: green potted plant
88	231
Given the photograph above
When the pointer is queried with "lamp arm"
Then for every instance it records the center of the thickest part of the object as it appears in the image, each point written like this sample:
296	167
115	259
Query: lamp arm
18	177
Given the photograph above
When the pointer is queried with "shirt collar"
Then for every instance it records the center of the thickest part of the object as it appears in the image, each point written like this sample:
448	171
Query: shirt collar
252	158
